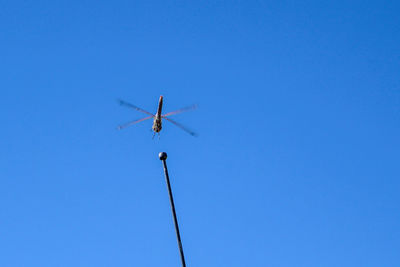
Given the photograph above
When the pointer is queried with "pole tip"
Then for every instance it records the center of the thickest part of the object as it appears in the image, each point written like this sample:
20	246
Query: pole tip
162	155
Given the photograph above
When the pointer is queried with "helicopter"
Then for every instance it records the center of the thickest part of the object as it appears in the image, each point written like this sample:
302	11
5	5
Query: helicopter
158	117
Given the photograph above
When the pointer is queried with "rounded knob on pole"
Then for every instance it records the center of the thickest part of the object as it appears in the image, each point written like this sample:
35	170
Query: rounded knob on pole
162	155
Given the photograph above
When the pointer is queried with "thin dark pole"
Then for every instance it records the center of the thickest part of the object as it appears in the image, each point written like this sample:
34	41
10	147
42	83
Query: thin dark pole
163	157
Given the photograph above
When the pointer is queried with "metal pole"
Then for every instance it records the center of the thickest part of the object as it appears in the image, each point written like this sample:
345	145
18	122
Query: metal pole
163	157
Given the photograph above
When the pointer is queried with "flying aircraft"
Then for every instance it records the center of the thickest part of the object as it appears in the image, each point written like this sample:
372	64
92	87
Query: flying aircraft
158	117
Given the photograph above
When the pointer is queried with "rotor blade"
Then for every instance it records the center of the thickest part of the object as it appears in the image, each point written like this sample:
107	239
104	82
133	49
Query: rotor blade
123	103
133	122
181	126
180	110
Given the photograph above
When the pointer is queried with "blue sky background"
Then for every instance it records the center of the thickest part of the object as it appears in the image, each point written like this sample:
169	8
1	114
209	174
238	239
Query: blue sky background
297	162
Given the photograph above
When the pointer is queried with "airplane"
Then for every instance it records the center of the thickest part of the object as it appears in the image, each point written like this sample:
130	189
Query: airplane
158	117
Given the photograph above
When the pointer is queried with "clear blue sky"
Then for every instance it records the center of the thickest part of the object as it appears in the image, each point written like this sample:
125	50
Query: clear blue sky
297	162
